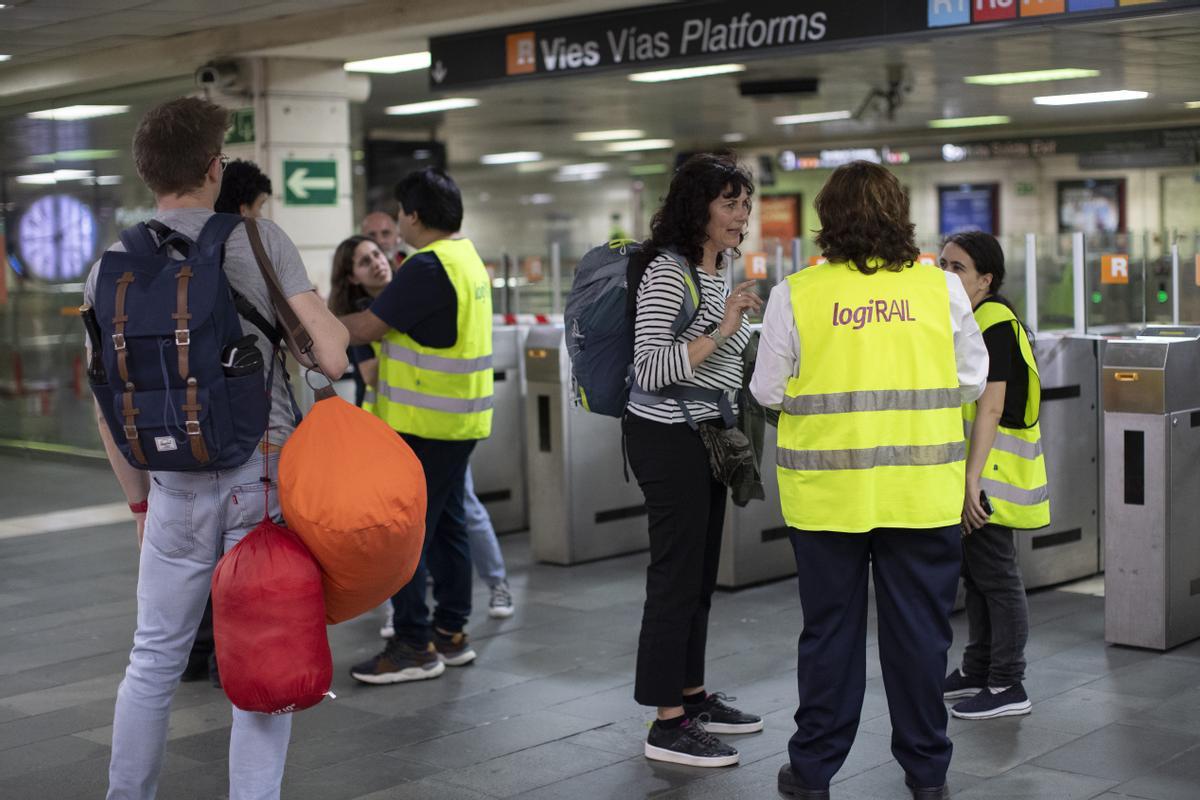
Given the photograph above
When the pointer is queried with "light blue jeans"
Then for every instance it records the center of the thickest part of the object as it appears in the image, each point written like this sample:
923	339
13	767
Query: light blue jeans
485	550
194	517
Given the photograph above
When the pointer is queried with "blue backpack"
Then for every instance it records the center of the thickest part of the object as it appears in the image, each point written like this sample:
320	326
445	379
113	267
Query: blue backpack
599	332
179	384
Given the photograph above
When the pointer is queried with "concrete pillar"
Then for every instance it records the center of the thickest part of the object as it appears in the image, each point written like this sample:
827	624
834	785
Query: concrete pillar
301	112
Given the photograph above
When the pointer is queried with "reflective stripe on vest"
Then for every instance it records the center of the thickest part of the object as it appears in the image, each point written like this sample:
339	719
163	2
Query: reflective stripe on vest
446	392
871	432
1014	475
870	457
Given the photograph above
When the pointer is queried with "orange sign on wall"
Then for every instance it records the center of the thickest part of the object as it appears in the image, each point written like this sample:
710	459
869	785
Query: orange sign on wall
1114	268
779	217
1036	8
756	266
1198	269
928	258
522	53
532	266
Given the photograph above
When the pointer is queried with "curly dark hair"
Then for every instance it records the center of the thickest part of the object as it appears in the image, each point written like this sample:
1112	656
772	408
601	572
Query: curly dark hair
241	184
345	296
681	221
864	216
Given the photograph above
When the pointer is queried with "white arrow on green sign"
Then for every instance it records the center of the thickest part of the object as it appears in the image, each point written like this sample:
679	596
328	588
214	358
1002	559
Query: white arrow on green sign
310	183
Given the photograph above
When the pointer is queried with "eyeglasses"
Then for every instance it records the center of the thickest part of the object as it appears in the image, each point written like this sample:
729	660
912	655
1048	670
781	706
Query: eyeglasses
224	159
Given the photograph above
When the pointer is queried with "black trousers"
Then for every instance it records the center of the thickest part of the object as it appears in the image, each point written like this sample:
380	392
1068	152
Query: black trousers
686	509
997	613
446	554
916	579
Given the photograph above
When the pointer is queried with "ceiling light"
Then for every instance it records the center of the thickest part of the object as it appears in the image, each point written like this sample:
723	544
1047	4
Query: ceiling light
639	145
661	75
733	138
583	169
1032	76
515	157
803	119
390	65
45	178
1192	104
1090	97
4	57
648	169
430	106
67	113
74	155
609	136
969	122
103	180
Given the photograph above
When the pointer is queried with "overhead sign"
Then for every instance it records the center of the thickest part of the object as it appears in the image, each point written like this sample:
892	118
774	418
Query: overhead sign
310	183
715	31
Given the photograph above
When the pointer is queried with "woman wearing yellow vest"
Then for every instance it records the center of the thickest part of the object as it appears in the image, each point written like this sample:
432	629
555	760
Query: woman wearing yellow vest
1004	462
870	357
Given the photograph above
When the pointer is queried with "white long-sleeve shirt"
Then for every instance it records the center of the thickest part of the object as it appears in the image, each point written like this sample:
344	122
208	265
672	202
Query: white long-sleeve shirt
780	347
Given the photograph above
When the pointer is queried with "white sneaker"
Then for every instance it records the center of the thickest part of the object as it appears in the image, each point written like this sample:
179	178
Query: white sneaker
500	606
387	630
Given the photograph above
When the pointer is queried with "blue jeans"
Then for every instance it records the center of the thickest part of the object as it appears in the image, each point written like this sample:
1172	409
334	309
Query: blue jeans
194	518
916	579
485	550
446	554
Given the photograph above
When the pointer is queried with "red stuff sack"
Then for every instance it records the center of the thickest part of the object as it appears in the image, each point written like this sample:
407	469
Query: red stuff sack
354	493
269	623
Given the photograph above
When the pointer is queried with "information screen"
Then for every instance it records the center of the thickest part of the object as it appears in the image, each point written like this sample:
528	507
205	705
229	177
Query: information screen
969	207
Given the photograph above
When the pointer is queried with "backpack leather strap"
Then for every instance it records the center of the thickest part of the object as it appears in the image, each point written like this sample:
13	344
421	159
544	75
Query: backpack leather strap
128	410
183	343
292	328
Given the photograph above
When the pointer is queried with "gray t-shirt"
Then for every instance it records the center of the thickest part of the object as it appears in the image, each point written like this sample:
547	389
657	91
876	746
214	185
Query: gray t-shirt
244	275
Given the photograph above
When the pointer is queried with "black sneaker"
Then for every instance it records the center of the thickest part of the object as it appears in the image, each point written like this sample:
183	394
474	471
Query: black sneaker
925	792
718	717
688	744
959	685
1012	702
453	648
398	663
789	785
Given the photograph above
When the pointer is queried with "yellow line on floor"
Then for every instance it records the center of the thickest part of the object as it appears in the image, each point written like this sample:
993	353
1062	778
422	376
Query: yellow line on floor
67	520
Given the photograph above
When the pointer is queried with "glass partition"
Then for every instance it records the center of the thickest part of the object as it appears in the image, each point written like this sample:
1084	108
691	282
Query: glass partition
1188	244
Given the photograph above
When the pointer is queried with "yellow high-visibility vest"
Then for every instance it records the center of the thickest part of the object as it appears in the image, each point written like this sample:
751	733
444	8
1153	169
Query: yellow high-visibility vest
871	430
1014	475
443	392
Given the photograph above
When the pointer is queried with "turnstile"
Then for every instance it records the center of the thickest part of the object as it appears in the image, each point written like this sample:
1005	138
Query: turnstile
498	463
755	546
1069	548
1151	387
580	506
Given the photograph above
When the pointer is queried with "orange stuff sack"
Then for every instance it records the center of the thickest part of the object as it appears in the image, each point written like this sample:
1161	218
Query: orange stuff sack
269	623
354	493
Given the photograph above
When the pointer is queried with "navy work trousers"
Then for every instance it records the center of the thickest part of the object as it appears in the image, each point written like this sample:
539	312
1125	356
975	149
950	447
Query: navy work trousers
447	551
916	578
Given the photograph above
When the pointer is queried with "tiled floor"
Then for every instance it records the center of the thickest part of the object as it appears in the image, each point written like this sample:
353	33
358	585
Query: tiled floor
547	711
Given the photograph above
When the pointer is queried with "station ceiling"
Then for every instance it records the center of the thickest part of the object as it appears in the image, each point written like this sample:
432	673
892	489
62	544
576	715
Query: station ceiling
1159	55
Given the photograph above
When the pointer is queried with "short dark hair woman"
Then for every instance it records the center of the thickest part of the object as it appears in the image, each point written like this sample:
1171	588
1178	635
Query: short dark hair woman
1004	459
869	357
686	381
244	189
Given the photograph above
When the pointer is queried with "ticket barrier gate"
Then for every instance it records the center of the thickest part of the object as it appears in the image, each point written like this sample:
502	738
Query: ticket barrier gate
755	546
498	462
580	506
1151	386
1069	548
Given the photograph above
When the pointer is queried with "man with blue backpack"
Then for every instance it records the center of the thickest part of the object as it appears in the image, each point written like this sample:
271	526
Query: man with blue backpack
193	410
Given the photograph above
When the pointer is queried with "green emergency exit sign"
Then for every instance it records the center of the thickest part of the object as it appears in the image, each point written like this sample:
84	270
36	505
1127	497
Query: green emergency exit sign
310	183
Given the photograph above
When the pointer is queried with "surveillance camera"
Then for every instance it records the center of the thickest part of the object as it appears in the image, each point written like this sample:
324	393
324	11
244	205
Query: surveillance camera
222	76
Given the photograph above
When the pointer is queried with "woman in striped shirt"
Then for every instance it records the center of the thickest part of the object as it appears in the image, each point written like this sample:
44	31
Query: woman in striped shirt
696	362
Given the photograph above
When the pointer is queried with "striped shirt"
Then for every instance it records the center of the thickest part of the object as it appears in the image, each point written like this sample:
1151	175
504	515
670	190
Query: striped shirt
661	359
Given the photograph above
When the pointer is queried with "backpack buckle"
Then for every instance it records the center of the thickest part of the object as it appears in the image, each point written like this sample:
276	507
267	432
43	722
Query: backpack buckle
192	427
183	337
118	341
131	432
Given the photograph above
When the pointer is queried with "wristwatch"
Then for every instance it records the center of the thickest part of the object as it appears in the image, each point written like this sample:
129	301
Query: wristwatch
717	337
